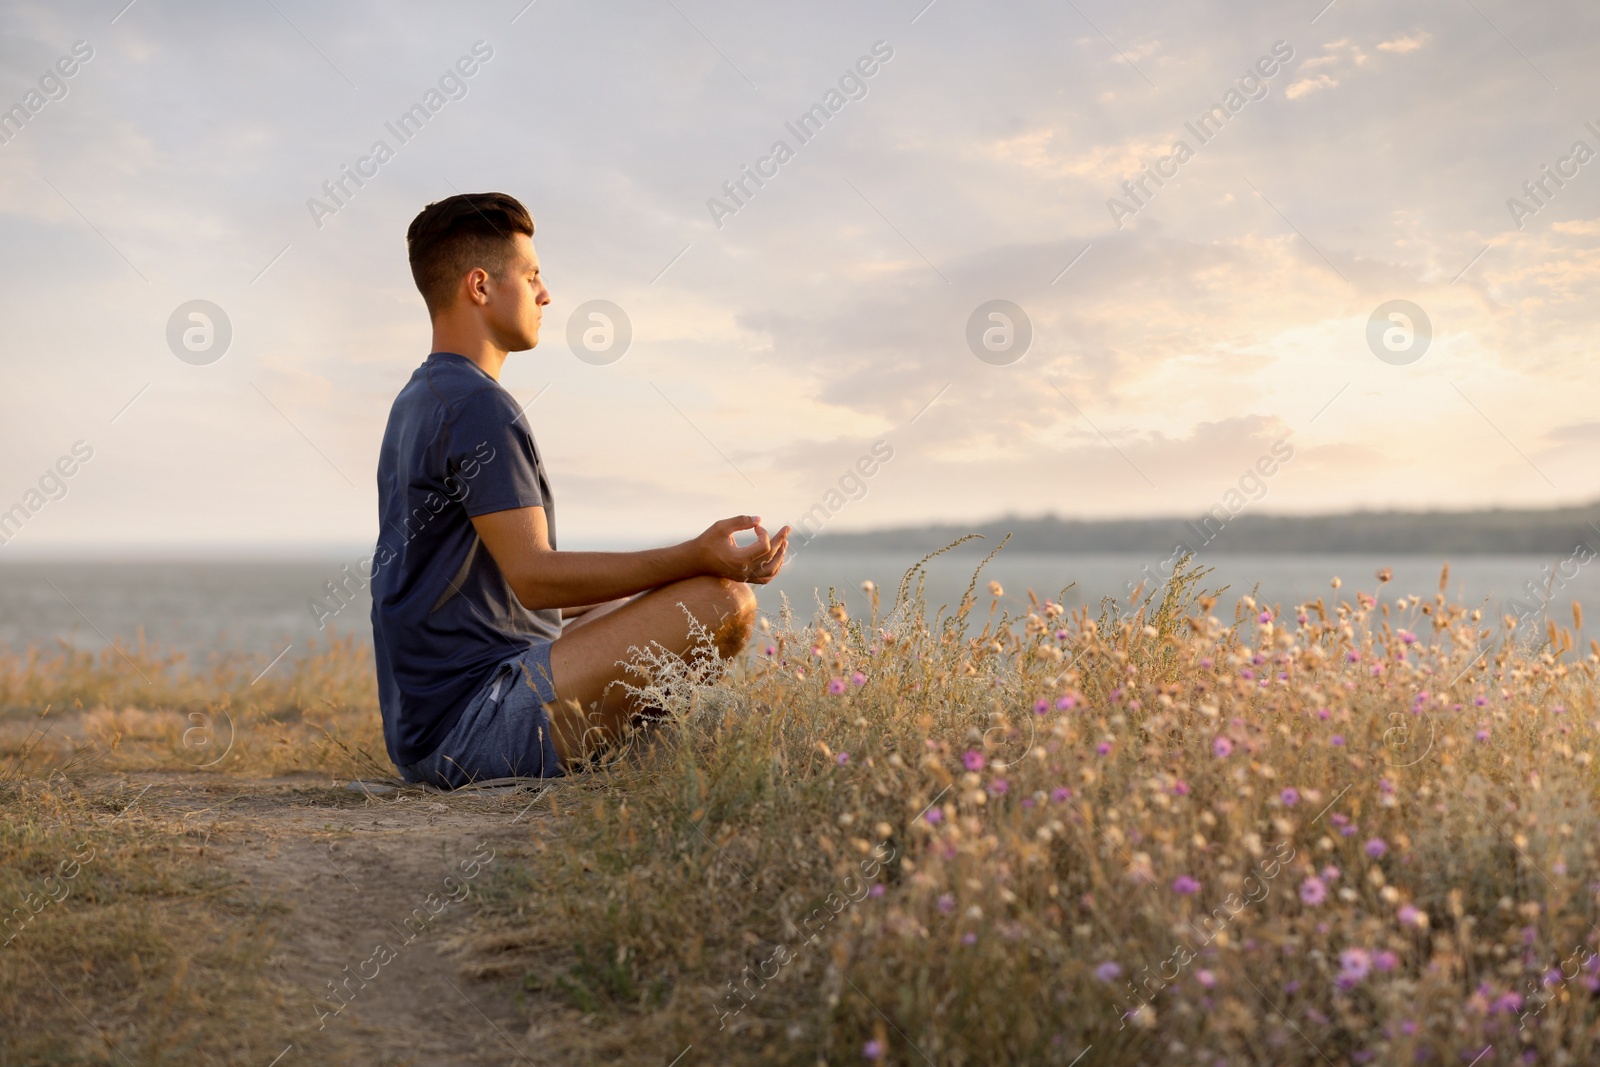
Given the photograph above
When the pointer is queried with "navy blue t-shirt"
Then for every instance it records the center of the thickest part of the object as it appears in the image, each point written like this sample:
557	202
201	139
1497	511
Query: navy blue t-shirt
443	617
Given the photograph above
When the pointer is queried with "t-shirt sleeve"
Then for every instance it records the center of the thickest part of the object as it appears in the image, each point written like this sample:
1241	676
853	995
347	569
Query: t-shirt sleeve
491	456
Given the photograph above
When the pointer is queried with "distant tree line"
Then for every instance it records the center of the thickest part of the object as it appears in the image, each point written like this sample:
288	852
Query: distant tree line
1499	530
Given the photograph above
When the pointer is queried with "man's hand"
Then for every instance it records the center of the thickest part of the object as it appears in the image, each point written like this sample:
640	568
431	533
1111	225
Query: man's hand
756	563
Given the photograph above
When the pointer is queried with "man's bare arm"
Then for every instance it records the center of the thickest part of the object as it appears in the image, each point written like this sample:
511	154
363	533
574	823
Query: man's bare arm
541	577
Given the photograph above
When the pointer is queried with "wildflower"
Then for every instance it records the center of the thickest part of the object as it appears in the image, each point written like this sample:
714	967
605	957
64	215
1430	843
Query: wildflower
836	686
1376	847
1407	637
1480	700
1185	886
1061	635
1205	978
1180	788
1313	892
1104	748
1265	616
873	1050
1205	661
842	758
858	678
1330	873
1483	735
947	903
876	891
1411	916
1222	747
1060	794
1353	656
772	650
1027	802
1385	960
1356	962
1108	971
1506	1002
1247	674
1336	740
1041	706
969	938
999	787
1290	797
934	816
1063	703
972	760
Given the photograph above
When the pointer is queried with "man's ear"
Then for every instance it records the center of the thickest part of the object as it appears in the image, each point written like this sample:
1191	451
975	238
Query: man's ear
478	286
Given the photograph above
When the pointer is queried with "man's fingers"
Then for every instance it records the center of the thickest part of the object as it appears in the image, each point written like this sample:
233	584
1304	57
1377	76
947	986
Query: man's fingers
733	525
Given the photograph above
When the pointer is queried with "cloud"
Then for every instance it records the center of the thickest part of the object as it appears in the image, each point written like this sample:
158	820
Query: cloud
1404	44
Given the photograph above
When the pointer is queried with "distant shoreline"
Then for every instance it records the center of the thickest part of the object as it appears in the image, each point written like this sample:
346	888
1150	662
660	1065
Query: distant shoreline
1487	532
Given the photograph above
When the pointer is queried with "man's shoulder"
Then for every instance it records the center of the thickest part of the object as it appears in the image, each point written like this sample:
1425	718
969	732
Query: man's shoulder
454	389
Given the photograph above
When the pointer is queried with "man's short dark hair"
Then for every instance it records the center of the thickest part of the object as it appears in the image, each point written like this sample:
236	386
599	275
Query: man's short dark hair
454	235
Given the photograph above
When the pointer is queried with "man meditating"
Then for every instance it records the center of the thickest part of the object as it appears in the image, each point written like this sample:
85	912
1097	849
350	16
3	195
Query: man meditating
498	655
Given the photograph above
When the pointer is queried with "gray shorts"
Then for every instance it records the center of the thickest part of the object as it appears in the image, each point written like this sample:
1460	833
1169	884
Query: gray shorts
504	732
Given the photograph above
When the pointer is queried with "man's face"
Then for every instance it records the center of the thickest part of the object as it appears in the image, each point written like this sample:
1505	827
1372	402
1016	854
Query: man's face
516	299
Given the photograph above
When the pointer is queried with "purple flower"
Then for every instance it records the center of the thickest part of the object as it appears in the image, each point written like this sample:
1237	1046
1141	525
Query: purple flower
842	758
858	679
876	891
1104	748
772	650
1290	797
1108	971
1041	706
1376	847
1185	886
1205	978
969	938
1480	700
873	1050
1483	735
972	760
1355	962
1247	673
1407	637
1060	794
1265	616
934	815
1385	960
1180	788
1336	740
947	903
1222	747
1313	892
999	787
1063	703
1330	873
836	686
1506	1002
1205	662
1408	915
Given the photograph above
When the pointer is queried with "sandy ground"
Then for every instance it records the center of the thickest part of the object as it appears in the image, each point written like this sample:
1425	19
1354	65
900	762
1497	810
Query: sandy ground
347	871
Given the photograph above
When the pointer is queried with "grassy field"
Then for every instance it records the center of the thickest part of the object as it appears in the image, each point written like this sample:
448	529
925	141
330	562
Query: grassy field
1189	829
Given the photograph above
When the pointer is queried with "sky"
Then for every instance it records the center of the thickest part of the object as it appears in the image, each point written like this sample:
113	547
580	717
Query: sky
1351	263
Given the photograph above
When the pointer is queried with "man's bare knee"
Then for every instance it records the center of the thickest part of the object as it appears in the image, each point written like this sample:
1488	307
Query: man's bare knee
732	612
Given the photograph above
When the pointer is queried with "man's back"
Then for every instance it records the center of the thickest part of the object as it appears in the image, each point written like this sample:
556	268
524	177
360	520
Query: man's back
443	617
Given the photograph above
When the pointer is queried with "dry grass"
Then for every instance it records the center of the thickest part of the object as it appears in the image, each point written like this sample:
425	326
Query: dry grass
144	708
1317	835
118	947
1175	832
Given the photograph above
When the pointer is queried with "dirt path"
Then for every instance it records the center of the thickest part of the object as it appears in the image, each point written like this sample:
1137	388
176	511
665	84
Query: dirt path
352	877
